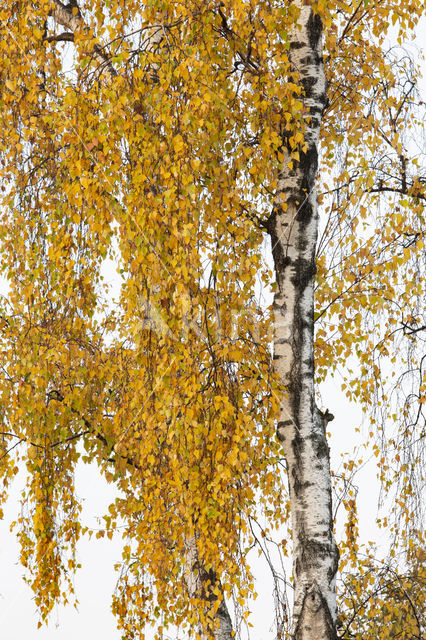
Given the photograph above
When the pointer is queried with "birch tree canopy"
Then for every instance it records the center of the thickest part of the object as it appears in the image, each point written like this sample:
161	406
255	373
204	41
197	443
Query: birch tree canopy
214	156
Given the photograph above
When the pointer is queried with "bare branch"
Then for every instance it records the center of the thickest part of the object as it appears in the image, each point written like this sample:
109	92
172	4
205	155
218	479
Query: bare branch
67	36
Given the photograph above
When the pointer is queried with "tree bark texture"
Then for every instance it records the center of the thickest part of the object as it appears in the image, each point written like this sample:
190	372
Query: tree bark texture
302	427
202	584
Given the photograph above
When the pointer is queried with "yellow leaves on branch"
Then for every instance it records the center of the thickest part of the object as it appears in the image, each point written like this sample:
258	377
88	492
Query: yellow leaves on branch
152	173
132	242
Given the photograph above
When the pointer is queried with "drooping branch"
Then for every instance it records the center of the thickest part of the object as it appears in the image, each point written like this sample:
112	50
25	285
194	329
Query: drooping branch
201	584
53	445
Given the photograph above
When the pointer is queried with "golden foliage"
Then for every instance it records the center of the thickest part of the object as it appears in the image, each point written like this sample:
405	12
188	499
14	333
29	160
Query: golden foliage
167	168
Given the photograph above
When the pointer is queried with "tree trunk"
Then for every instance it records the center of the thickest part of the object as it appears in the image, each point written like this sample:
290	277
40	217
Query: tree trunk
302	427
204	585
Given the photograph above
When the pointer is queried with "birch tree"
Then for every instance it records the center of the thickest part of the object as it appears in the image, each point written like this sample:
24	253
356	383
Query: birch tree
170	141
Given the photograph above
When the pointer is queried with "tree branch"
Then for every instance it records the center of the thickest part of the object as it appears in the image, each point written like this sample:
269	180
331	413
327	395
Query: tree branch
67	36
70	18
401	190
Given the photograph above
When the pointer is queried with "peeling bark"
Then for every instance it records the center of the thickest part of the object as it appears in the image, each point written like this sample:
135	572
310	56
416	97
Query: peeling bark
201	584
302	427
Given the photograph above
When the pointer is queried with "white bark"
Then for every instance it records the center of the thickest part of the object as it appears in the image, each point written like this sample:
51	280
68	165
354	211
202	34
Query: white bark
199	584
72	20
301	428
63	14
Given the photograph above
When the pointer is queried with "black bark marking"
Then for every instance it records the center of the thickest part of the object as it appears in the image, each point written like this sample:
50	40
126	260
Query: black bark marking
312	550
281	260
308	84
282	428
333	569
304	269
295	45
322	450
309	167
314	28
